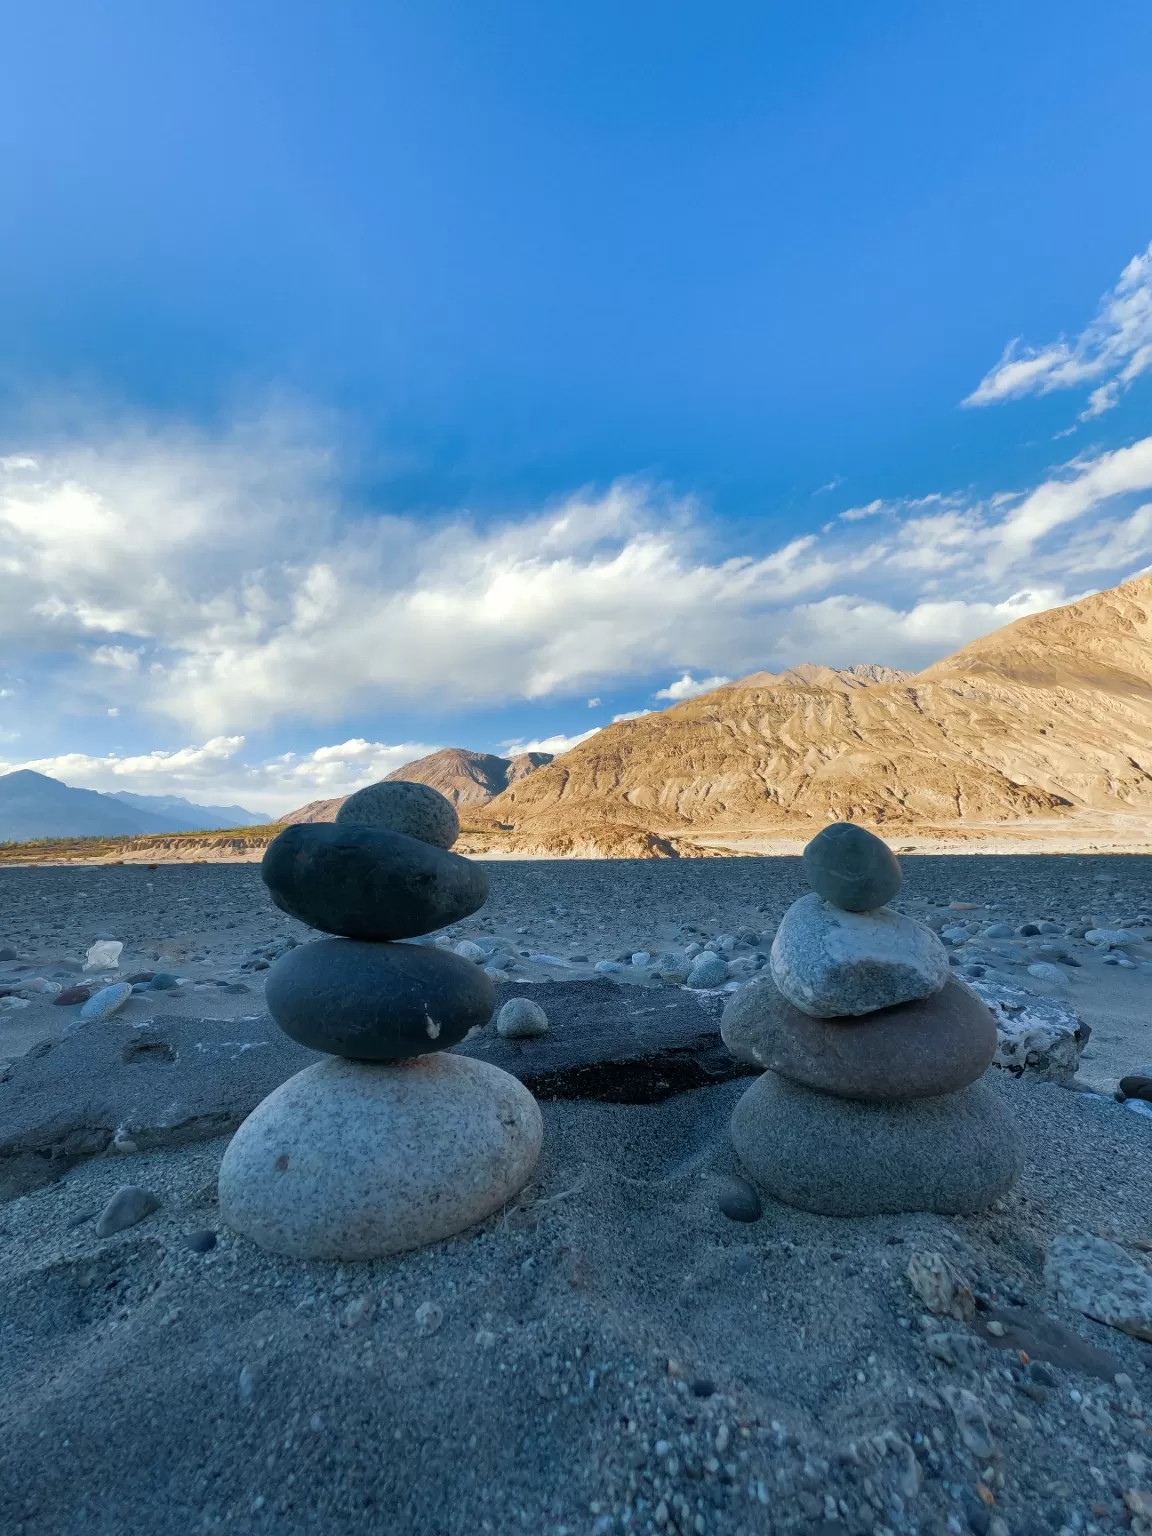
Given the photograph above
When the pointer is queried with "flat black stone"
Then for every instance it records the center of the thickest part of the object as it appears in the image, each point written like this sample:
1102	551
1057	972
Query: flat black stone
852	868
365	883
377	1002
1136	1087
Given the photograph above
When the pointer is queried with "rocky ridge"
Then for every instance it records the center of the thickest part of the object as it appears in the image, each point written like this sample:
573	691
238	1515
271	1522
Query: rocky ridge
1048	719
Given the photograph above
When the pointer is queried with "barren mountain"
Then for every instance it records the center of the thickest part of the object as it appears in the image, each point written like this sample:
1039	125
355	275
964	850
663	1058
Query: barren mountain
468	779
1050	717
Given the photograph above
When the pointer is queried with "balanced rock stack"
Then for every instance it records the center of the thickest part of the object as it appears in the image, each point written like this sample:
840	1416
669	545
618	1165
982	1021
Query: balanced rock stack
388	1143
871	1101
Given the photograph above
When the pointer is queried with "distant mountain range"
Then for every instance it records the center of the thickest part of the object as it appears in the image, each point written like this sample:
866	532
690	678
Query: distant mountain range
468	779
32	806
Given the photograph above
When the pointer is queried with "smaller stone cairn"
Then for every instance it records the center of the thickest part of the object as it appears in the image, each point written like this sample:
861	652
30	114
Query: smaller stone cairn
871	1101
389	1142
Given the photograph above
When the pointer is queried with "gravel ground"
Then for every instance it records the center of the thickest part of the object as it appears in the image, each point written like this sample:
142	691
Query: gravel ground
614	1355
609	1355
214	924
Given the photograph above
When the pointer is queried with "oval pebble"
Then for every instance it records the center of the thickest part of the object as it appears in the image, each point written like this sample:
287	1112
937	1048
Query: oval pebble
103	1004
397	805
852	868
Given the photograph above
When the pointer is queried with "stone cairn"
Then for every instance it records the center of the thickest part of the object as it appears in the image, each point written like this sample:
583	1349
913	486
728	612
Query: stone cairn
872	1101
389	1142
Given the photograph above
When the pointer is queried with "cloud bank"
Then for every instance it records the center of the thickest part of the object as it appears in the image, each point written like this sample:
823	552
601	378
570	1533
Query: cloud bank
221	584
1112	352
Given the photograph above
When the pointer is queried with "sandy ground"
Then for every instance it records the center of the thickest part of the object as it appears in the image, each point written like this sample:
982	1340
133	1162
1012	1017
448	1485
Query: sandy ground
615	1355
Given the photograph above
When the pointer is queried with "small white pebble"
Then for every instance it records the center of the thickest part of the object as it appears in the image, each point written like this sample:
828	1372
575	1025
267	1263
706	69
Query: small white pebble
428	1317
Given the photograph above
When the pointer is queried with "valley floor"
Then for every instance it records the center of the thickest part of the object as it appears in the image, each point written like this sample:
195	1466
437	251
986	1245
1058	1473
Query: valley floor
615	1356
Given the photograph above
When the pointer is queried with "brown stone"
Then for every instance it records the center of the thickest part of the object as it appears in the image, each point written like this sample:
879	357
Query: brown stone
72	995
917	1050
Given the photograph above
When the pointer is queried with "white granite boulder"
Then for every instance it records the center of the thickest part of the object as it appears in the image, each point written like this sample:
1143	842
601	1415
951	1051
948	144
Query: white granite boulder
356	1160
836	964
1038	1035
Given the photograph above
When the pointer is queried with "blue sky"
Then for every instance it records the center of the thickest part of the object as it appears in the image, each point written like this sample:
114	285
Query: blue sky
378	377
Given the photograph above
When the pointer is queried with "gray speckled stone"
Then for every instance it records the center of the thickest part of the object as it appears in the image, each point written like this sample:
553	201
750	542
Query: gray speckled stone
917	1050
369	884
354	1160
843	1157
707	971
377	1002
416	810
852	868
521	1019
836	964
129	1205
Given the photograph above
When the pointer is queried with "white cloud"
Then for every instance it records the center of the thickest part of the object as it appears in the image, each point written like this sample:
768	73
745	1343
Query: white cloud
215	773
218	583
553	744
632	714
1115	349
688	687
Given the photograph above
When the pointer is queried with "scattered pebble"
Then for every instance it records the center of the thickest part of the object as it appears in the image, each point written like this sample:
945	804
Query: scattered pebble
739	1200
129	1205
428	1317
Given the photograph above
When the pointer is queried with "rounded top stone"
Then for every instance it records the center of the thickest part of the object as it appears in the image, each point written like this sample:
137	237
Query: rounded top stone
852	868
395	805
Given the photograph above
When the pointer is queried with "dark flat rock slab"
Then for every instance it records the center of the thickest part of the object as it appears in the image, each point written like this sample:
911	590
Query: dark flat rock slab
621	1045
164	1082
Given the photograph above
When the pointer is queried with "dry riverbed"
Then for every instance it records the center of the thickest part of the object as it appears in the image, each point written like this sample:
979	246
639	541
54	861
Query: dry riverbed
610	1354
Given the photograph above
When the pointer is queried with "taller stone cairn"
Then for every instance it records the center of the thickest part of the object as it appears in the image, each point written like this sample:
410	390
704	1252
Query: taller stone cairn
871	1101
389	1143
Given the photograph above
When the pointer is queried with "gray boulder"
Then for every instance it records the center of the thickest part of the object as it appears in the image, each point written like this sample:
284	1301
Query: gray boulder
917	1050
357	1160
843	1157
834	964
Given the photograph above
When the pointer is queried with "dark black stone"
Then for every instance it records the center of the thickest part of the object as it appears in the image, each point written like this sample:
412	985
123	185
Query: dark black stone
377	1002
702	1387
852	868
201	1242
1137	1087
368	884
739	1200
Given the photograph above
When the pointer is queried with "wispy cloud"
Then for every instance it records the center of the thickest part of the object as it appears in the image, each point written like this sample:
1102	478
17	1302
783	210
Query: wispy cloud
220	583
553	744
1112	352
689	687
